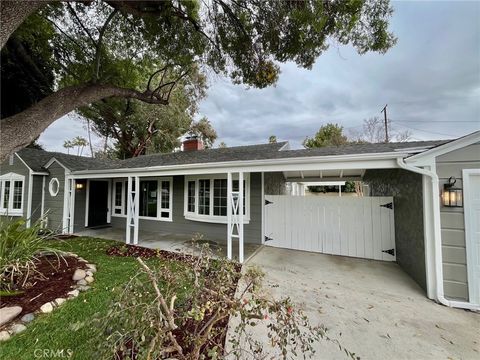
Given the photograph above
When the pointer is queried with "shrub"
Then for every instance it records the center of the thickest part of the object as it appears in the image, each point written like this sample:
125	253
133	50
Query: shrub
19	250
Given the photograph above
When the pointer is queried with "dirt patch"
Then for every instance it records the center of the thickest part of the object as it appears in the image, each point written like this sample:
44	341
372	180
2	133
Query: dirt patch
52	279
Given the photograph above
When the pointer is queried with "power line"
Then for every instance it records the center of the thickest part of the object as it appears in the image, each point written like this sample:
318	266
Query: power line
439	121
426	131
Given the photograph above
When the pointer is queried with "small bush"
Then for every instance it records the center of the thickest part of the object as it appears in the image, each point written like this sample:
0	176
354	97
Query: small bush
19	250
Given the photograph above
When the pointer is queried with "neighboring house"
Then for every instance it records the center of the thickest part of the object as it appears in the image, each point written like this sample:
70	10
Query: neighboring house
405	218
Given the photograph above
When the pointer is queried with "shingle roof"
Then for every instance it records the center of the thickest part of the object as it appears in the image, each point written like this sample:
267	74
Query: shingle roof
37	158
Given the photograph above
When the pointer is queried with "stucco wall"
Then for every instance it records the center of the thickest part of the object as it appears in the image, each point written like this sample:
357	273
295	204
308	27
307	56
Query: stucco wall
452	221
274	183
406	189
18	167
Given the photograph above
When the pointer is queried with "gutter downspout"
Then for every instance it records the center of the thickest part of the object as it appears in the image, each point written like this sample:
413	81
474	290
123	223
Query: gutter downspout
437	242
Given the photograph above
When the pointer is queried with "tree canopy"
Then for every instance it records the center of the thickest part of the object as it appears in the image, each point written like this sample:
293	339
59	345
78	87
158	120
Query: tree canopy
327	135
131	49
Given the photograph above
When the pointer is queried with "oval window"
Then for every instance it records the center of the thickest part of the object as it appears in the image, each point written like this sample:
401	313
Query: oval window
54	187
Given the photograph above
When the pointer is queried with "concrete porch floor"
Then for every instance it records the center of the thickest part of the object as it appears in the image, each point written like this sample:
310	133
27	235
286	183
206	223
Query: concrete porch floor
168	241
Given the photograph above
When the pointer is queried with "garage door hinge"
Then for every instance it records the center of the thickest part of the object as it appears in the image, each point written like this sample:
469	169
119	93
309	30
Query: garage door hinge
388	205
389	251
268	238
268	202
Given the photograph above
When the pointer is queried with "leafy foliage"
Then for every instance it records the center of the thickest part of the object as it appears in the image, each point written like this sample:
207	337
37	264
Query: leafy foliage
19	247
327	135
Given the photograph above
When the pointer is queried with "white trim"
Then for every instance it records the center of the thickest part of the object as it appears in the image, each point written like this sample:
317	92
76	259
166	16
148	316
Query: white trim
446	148
240	217
52	160
471	247
333	162
109	202
29	199
211	218
262	199
229	216
65	205
87	201
51	190
24	163
42	210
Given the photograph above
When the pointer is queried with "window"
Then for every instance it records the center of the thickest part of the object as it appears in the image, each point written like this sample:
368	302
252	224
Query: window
11	194
155	198
54	187
191	197
206	198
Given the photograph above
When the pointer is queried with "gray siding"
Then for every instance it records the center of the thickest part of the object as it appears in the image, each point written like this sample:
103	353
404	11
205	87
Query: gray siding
79	211
217	232
452	221
18	167
54	204
406	189
37	197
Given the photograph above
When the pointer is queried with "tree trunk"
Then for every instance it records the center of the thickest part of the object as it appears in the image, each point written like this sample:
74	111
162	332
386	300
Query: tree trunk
13	14
19	130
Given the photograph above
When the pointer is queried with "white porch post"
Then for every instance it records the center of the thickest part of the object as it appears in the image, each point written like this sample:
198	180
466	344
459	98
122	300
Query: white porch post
133	201
240	212
69	206
229	215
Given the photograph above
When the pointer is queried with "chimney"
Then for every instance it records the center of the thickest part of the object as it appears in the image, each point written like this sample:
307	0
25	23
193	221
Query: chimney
193	143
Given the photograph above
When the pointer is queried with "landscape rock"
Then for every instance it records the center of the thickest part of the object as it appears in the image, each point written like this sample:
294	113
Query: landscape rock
82	259
89	273
73	293
46	308
4	335
9	313
60	301
82	282
89	279
27	318
92	267
83	288
79	274
17	328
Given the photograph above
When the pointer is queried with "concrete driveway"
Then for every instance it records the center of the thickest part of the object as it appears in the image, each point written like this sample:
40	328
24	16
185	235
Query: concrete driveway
373	308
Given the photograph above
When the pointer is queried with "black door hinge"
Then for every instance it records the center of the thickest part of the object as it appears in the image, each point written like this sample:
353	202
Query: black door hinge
389	251
388	205
268	238
268	202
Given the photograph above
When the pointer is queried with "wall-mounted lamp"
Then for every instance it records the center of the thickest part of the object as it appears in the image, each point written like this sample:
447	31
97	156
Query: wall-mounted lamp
79	185
452	196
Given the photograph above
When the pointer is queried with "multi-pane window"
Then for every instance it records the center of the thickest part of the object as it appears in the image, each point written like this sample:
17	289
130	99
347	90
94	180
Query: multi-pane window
204	197
17	195
148	198
207	197
220	197
191	197
155	198
11	194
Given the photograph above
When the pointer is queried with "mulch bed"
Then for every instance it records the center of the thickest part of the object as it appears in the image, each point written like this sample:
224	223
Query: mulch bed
183	331
52	279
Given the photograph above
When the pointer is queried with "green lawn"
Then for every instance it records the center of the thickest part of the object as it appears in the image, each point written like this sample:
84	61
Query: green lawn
60	329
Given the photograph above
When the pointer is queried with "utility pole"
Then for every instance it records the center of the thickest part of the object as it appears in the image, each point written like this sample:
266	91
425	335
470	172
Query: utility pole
384	110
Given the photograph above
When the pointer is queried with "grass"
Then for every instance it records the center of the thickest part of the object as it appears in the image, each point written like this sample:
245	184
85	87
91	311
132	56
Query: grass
60	329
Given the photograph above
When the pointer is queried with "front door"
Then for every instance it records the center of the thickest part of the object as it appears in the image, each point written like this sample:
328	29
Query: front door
471	184
98	203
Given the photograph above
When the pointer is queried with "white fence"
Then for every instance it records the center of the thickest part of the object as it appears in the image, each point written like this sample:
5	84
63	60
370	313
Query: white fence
349	226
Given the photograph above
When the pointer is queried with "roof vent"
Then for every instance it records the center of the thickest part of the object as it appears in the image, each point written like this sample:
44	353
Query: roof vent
193	143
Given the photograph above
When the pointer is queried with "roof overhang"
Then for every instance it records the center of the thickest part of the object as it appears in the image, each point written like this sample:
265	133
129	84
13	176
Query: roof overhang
310	163
53	160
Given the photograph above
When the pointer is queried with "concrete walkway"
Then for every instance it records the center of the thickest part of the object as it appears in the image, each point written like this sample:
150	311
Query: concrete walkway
373	308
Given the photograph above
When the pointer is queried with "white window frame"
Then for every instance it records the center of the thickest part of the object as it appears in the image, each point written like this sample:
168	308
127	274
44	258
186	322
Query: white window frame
210	218
9	210
51	189
159	201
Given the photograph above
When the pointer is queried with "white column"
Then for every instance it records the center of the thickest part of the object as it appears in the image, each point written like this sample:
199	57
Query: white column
72	206
240	216
229	215
129	210
136	210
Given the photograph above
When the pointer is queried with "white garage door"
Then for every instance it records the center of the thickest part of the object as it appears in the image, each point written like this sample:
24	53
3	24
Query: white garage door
349	226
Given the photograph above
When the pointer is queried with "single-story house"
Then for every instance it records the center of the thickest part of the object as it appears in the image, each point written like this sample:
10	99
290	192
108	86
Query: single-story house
422	210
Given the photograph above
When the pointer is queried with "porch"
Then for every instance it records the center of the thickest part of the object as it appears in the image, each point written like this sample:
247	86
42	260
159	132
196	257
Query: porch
181	243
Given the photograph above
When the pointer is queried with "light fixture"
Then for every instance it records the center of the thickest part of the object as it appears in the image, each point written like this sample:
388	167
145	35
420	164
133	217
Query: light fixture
79	185
452	196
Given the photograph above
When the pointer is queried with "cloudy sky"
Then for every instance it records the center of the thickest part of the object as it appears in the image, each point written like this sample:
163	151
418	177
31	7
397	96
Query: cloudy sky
430	81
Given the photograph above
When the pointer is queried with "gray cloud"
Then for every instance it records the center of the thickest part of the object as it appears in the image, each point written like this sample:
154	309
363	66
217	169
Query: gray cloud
430	80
